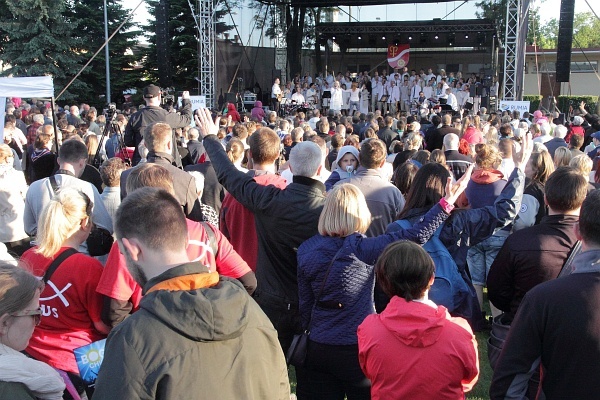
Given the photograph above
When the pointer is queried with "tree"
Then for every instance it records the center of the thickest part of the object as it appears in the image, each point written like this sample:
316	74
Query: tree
38	40
88	17
183	43
496	11
586	32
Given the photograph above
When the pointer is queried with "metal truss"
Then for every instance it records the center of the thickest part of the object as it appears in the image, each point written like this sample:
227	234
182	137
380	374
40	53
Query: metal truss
206	53
517	22
352	28
279	15
511	46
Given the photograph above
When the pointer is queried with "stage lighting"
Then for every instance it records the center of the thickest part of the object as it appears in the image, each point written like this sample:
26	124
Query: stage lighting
451	39
383	37
333	37
359	38
466	35
410	38
436	37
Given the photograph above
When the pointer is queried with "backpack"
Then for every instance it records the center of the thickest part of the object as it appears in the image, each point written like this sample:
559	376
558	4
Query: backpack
449	288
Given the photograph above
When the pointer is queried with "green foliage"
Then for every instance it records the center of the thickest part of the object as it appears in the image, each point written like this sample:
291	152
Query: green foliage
534	101
586	32
496	11
564	102
183	45
38	40
88	17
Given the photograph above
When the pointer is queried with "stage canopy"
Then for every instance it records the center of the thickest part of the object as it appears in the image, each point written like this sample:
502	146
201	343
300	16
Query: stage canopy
27	87
435	34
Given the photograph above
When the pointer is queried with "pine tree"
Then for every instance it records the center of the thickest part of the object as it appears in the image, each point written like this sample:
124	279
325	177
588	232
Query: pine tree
183	43
88	15
38	40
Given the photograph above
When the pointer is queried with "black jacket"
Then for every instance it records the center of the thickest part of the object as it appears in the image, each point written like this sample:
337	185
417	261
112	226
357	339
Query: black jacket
529	257
284	219
134	131
387	135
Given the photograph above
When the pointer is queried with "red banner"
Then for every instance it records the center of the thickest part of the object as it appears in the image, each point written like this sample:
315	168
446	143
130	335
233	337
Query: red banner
397	55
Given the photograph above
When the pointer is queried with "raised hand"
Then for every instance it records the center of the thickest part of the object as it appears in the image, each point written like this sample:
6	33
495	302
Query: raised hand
453	191
522	157
205	124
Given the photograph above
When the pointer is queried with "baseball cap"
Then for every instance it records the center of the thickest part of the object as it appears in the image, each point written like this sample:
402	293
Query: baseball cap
151	91
595	135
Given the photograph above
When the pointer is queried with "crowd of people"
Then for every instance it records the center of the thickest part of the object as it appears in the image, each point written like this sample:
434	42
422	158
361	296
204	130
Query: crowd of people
400	92
202	244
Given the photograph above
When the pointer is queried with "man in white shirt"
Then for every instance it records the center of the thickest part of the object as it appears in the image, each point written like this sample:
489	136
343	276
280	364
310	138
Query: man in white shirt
429	90
276	95
394	97
297	96
376	90
311	94
429	75
404	95
451	99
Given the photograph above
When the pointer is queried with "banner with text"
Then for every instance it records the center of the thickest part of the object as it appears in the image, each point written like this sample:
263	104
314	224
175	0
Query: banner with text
397	55
521	106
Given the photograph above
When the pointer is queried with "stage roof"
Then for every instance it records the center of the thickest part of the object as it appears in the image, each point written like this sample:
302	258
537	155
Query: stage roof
470	33
315	3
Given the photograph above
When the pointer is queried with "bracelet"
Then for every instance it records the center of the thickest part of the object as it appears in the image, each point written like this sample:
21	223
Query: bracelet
447	207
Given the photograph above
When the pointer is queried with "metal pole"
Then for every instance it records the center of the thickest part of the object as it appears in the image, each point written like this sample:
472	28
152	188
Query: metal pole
106	54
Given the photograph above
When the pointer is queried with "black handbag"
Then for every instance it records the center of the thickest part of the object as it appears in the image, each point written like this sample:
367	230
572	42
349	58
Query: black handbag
296	354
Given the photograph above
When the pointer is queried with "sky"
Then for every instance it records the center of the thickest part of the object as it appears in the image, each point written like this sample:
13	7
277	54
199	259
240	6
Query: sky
406	12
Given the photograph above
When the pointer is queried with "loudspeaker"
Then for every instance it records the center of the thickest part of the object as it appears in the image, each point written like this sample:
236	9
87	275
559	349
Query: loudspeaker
565	41
230	97
163	57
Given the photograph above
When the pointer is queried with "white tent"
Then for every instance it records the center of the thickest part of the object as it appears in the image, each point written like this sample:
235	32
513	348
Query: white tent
27	87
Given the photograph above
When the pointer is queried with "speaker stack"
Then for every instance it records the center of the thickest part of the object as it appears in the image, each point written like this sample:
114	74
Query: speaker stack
565	41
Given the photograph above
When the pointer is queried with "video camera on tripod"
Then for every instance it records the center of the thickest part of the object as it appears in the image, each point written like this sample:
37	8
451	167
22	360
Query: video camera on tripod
110	129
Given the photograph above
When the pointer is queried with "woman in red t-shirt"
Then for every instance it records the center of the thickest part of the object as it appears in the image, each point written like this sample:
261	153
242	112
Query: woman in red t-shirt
70	305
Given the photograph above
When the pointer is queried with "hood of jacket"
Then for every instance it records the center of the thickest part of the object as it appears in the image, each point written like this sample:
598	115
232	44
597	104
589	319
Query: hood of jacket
485	176
231	107
414	324
258	104
214	311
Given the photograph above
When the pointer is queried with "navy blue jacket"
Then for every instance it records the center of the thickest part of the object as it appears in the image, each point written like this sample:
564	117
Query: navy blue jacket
351	279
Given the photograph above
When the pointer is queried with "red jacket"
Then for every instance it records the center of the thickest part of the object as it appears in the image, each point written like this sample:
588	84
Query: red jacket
574	130
414	351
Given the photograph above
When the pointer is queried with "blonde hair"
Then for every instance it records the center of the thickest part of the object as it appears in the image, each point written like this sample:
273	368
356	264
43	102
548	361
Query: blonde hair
562	157
61	219
582	163
487	156
91	142
345	212
5	152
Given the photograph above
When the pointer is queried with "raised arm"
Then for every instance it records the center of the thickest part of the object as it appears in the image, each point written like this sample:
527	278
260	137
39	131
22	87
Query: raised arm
241	186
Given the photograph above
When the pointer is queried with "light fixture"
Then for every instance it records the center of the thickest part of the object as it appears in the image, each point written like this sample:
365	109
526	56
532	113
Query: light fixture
466	35
359	38
333	37
436	37
410	38
383	37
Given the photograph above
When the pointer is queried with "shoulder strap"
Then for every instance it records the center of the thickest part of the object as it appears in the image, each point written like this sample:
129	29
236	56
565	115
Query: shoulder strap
53	183
56	263
323	283
212	238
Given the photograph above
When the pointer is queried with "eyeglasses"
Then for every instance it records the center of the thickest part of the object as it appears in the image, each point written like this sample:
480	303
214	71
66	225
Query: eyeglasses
36	314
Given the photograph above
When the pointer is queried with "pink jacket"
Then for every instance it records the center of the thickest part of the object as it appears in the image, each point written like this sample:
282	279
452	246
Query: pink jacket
414	351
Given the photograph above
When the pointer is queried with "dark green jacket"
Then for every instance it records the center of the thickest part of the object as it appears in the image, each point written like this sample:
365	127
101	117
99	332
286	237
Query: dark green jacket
208	343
